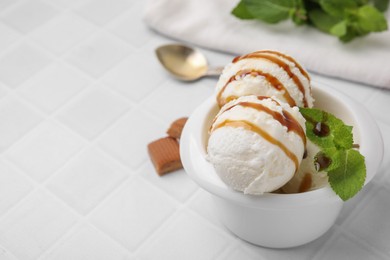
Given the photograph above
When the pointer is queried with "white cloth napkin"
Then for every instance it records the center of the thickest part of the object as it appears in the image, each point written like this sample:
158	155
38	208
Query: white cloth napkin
208	23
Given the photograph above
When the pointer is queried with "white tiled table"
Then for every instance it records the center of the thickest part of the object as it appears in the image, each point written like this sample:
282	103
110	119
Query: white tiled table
81	95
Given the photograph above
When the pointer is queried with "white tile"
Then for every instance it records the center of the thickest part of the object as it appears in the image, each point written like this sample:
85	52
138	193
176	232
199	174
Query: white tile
87	243
3	91
21	63
34	225
103	11
67	3
44	150
136	77
371	224
99	54
384	169
8	37
132	28
63	32
53	86
177	99
380	103
95	110
13	187
177	184
187	237
129	138
133	213
29	15
239	253
304	252
6	255
7	3
203	204
343	247
15	120
86	180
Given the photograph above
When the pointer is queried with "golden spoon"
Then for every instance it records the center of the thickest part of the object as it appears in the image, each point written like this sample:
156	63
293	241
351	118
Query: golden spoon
185	63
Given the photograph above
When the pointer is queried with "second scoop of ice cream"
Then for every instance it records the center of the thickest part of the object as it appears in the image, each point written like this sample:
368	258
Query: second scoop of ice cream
265	73
257	143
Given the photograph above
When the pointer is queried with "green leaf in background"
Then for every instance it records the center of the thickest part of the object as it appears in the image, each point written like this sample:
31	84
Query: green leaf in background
351	34
322	20
381	5
370	19
270	11
242	12
337	8
362	2
348	179
345	19
339	29
299	16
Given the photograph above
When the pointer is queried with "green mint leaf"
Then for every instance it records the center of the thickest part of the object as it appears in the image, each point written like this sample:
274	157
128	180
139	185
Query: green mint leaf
345	166
327	159
339	29
369	19
342	134
337	8
322	20
337	133
381	5
270	11
348	179
241	11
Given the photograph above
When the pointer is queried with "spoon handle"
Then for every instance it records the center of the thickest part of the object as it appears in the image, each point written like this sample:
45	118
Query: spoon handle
214	71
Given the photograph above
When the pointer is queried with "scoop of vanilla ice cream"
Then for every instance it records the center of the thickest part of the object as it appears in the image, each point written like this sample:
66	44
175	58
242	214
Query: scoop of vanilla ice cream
307	178
256	143
265	73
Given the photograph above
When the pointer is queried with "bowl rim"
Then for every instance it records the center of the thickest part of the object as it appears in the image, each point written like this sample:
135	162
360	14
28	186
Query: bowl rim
371	146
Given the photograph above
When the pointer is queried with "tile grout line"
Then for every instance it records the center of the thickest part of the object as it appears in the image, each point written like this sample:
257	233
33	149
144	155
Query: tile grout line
9	252
37	185
85	218
114	193
357	240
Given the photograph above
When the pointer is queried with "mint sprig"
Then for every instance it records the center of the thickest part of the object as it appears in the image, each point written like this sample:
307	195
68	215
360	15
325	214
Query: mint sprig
344	165
346	19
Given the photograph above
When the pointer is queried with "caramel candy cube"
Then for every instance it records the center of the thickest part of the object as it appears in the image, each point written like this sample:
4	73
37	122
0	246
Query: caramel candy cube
177	127
165	155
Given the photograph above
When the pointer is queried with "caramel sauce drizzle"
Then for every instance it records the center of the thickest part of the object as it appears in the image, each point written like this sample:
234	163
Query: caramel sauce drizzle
281	64
284	118
306	183
249	126
258	97
275	83
304	73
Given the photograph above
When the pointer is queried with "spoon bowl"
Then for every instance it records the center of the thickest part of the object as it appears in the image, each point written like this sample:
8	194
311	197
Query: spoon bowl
184	62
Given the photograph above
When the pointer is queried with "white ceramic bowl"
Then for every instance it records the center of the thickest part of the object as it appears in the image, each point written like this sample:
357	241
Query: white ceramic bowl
278	220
